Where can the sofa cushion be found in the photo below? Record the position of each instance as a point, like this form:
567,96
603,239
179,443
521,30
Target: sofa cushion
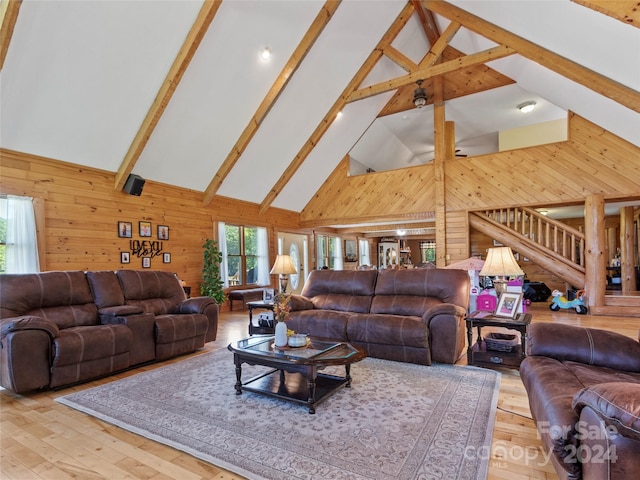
347,282
171,328
61,297
388,330
449,286
156,292
403,304
105,288
82,344
327,324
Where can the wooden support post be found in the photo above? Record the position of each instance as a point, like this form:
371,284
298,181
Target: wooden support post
440,143
595,250
627,270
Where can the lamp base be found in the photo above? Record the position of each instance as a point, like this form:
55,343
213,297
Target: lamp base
284,281
500,284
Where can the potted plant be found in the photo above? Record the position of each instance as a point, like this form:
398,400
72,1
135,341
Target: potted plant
212,285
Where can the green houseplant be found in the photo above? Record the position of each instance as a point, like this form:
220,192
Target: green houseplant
212,285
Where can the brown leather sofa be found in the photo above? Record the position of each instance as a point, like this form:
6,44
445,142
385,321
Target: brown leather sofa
584,392
414,315
61,328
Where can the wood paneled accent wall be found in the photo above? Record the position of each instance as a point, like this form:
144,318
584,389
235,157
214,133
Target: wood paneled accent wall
81,212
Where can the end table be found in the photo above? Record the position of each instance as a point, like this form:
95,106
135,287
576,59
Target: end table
477,354
257,330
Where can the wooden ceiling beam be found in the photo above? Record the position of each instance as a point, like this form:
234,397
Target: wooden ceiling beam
171,82
399,58
600,84
398,24
8,17
427,21
432,71
318,25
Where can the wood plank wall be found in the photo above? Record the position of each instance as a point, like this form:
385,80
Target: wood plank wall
81,211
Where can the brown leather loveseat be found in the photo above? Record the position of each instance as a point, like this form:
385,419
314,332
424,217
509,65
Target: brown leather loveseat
414,315
63,327
584,392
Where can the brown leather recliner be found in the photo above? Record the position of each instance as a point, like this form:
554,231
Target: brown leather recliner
583,386
412,315
181,324
51,334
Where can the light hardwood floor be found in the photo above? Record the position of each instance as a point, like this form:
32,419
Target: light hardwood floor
41,439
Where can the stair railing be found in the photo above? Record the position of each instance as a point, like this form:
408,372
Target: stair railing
546,232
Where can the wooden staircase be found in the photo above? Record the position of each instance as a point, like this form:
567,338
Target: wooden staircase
555,246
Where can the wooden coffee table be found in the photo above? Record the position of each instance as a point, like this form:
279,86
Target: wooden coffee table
295,372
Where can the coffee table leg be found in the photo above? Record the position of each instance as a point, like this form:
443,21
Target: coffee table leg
238,378
311,384
347,369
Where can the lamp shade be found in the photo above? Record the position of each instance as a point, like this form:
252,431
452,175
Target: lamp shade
283,265
500,262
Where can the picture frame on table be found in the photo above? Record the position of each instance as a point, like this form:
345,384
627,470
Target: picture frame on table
125,257
268,294
124,229
508,304
145,229
146,262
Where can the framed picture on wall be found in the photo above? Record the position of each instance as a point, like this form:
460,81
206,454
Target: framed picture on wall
124,229
166,258
163,232
145,229
124,257
146,262
350,254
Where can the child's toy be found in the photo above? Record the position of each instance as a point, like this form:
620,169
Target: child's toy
560,301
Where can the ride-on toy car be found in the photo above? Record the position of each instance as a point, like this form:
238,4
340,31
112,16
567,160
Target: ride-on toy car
560,301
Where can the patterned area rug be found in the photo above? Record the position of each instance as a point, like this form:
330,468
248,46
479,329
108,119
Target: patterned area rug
398,421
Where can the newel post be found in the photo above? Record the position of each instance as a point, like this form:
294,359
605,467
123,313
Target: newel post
595,250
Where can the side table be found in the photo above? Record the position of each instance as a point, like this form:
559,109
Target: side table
477,354
261,304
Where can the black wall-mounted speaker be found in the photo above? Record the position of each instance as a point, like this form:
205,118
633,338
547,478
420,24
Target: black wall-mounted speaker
133,185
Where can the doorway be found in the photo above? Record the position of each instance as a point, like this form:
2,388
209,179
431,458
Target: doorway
297,247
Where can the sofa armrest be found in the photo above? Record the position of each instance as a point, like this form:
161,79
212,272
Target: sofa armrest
298,302
584,345
194,305
446,332
616,404
206,306
28,322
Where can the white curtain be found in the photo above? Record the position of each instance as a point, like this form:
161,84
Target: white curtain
363,246
337,249
222,246
263,257
22,245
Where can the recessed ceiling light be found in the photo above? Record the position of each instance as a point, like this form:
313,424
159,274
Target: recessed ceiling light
339,114
527,107
265,54
401,232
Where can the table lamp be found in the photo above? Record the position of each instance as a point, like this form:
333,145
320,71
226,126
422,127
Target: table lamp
283,266
500,263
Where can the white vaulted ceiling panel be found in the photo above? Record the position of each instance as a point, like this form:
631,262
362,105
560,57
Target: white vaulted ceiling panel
79,77
222,89
330,150
346,42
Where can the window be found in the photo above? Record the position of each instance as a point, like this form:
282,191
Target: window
329,253
244,255
427,252
18,242
363,246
